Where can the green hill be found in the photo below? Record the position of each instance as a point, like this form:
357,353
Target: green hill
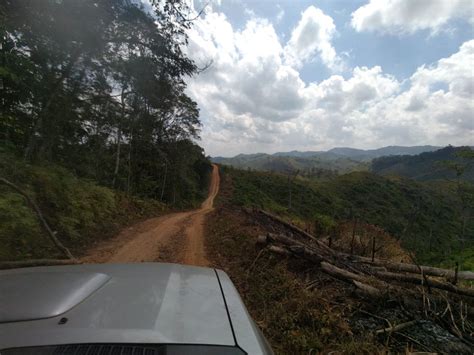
317,163
441,164
426,217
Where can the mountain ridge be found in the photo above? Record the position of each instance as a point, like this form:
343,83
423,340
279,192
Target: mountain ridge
318,163
342,152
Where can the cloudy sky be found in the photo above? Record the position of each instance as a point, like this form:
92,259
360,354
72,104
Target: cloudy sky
313,75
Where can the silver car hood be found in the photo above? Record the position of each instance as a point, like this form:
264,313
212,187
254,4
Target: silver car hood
131,303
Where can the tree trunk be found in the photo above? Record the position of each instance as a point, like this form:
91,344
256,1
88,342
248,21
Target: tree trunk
119,138
164,181
353,235
415,279
129,172
31,146
341,273
412,268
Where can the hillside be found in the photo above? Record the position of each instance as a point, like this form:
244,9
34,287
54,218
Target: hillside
317,163
441,164
426,218
299,307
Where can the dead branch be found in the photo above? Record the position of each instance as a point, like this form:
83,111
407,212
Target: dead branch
44,224
396,328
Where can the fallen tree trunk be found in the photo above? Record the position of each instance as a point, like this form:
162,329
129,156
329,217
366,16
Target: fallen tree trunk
367,290
297,230
412,268
396,267
415,279
278,250
296,247
38,262
341,273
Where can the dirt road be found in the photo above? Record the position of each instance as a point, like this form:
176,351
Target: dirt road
176,237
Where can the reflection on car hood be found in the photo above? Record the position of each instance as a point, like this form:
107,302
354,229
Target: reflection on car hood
133,303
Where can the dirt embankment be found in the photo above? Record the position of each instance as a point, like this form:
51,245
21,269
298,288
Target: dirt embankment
176,237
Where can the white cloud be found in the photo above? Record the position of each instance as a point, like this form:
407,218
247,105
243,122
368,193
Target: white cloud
409,16
252,100
313,35
280,14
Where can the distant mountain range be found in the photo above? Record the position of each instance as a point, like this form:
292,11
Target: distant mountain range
341,160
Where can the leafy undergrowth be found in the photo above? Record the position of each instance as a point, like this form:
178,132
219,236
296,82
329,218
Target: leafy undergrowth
78,210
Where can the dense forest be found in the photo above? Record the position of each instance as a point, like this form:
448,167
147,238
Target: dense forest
94,111
98,87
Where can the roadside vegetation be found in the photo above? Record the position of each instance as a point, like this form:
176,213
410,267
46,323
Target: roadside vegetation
79,210
95,124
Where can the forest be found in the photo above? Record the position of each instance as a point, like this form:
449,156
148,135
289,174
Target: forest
94,113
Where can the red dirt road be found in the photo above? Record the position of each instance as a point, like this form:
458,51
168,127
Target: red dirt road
176,237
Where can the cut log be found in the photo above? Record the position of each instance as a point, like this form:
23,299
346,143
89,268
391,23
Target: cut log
278,250
262,239
297,248
368,290
418,280
296,230
412,268
342,274
37,262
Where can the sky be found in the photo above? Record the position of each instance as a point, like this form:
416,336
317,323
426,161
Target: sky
313,75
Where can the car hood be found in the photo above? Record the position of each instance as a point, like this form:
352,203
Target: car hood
116,303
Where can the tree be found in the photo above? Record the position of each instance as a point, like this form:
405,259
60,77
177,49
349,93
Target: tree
99,87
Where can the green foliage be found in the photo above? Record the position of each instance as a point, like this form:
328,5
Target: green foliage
78,210
424,216
18,226
98,87
447,163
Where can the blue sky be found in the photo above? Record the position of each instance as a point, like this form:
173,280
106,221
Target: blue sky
311,75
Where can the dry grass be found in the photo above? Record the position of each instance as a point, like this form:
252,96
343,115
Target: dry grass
295,318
